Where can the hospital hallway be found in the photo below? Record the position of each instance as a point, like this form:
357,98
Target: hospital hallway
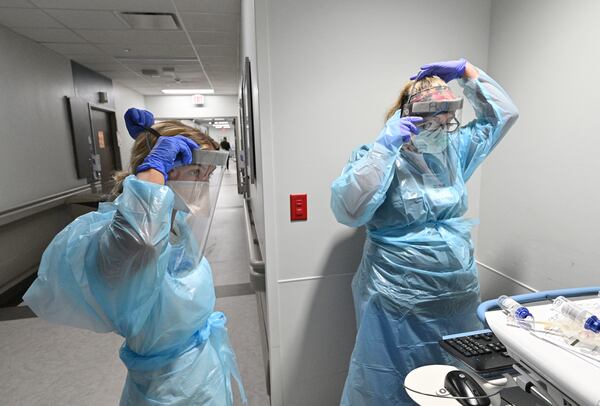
49,364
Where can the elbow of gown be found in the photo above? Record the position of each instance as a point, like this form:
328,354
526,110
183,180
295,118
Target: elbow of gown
361,188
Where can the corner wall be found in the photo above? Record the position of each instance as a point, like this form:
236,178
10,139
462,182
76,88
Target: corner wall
539,194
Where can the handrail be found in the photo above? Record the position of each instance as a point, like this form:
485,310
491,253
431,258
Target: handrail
536,297
255,263
39,205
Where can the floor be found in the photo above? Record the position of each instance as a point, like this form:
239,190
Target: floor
47,364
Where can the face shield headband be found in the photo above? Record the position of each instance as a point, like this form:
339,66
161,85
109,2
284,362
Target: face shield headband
438,106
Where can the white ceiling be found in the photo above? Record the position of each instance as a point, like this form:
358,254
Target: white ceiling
204,52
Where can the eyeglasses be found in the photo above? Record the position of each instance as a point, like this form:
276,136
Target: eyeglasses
434,123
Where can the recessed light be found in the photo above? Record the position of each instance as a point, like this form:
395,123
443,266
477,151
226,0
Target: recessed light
188,91
126,50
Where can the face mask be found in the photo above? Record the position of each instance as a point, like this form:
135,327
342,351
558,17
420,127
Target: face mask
191,197
431,142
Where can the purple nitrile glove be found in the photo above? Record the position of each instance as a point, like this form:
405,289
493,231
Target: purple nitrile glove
166,151
447,70
137,121
397,130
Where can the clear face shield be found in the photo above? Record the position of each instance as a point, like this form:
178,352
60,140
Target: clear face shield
196,188
441,112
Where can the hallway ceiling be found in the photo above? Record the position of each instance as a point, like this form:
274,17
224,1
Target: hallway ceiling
198,47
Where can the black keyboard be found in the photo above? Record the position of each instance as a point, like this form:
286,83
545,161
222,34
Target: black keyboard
480,350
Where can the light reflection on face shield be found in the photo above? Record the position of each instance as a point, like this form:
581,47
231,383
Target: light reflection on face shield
196,190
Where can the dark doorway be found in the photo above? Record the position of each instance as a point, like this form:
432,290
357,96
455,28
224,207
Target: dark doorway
103,130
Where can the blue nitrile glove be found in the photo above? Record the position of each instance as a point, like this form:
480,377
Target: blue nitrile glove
447,70
397,130
137,121
166,151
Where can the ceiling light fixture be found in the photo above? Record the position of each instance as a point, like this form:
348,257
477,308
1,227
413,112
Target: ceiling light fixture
188,91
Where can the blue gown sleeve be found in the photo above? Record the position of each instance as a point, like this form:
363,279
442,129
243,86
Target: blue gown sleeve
133,254
361,188
495,114
103,271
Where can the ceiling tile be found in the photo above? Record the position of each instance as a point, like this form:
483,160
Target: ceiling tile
215,50
49,34
148,50
222,69
142,62
138,82
16,3
210,22
27,18
217,77
121,5
134,37
185,68
83,59
74,49
209,6
106,67
191,75
214,38
119,75
88,20
219,60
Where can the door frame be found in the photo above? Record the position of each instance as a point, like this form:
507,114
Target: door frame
113,133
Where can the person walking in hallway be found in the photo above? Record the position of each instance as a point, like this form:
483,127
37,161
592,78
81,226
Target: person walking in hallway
227,147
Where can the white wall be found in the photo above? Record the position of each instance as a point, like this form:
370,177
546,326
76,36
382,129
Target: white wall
36,156
125,98
263,153
540,190
182,107
327,72
36,152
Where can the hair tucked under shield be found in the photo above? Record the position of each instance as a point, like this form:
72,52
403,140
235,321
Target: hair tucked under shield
145,141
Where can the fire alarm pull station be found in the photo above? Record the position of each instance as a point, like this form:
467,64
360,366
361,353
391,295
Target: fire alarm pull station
298,208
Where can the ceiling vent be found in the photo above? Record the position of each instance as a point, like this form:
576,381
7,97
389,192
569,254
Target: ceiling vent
150,21
150,72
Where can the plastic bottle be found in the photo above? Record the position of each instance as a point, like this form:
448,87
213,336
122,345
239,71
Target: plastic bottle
576,314
513,308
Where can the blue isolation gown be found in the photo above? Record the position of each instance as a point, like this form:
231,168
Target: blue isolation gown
417,280
121,269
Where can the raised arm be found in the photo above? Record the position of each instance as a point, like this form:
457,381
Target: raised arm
361,188
495,114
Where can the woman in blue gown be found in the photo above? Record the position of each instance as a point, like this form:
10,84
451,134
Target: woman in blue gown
121,269
417,280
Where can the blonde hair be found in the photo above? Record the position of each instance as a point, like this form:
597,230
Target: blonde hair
146,140
408,90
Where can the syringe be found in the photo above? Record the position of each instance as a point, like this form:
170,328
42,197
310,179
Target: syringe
513,308
576,314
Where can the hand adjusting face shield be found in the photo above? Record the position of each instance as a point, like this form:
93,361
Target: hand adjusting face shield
196,187
441,112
